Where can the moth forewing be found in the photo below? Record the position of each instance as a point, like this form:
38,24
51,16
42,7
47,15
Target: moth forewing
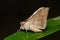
36,21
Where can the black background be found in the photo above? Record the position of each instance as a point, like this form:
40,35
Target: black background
12,11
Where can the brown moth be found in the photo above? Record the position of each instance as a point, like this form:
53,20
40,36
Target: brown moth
37,21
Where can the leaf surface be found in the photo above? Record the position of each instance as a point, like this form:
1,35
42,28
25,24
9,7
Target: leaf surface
53,25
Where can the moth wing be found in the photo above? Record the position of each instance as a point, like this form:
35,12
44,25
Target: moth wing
39,17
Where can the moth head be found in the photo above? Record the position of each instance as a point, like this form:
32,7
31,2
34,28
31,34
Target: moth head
22,25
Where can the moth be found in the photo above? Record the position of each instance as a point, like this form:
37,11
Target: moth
37,21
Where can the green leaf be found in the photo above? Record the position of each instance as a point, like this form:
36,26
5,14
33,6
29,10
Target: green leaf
53,25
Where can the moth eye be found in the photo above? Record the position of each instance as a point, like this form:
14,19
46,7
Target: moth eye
22,23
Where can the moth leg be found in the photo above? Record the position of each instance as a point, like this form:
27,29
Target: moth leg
19,29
